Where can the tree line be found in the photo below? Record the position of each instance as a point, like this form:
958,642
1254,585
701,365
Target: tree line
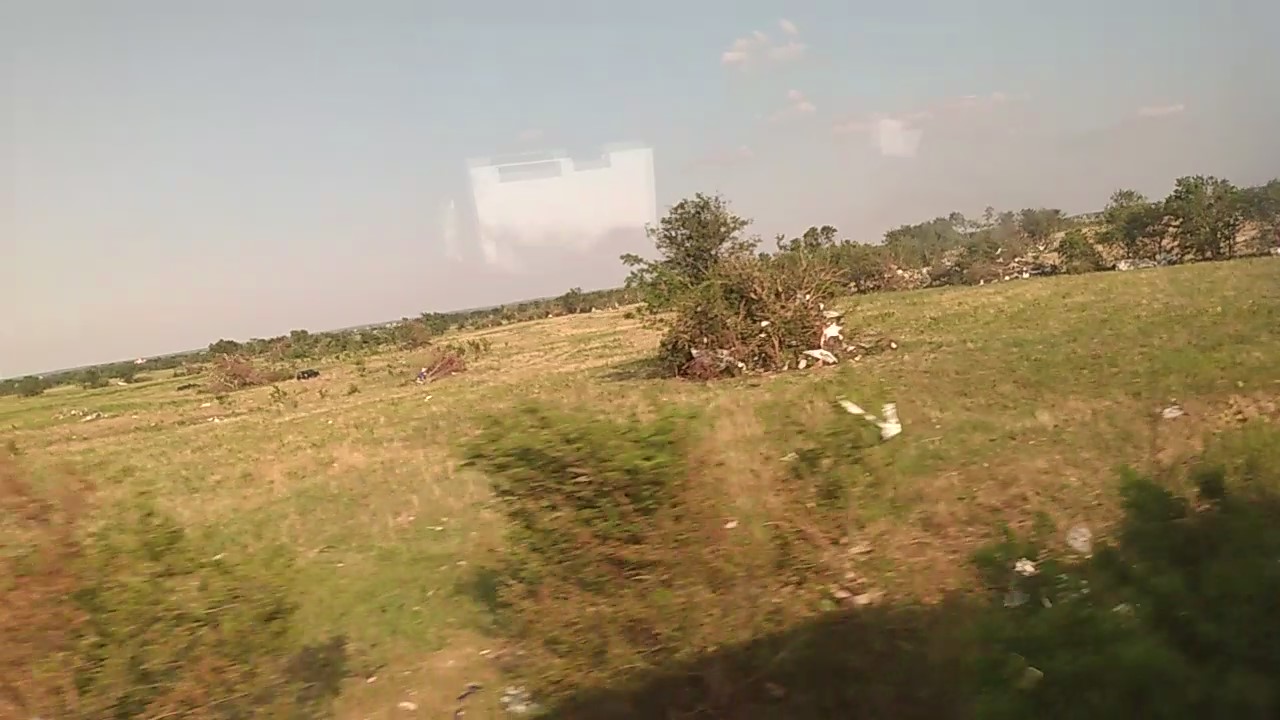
1203,218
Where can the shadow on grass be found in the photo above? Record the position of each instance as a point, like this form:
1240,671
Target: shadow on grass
645,368
1178,616
890,662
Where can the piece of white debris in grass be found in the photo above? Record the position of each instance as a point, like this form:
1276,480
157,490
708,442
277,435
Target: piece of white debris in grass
1173,411
1080,540
1015,598
765,323
890,426
831,331
822,356
832,314
1025,567
731,525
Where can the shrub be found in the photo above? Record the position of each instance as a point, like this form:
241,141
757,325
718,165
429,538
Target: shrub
732,309
620,556
1176,619
754,314
128,618
691,240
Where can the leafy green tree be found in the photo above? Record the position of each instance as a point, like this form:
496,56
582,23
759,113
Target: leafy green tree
923,244
225,347
91,378
1261,205
1133,223
573,301
1039,224
1205,214
814,239
692,239
1078,253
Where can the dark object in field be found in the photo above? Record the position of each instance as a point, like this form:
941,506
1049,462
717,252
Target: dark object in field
308,374
188,386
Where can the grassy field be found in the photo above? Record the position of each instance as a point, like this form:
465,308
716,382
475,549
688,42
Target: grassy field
1017,399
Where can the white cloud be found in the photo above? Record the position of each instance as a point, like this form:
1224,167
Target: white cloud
1152,111
758,46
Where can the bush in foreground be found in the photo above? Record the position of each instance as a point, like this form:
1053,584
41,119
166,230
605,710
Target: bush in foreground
638,542
127,618
1175,619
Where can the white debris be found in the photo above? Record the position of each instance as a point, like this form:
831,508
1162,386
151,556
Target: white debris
831,331
1173,411
822,356
765,323
832,314
890,426
1025,567
1080,539
407,706
731,525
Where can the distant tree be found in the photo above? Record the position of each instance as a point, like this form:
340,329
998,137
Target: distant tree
91,378
1261,205
862,267
1078,253
1039,224
691,239
225,347
1205,215
573,301
813,239
435,323
1132,222
31,386
923,244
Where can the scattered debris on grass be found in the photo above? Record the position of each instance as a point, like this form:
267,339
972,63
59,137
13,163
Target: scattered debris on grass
1173,411
517,701
890,426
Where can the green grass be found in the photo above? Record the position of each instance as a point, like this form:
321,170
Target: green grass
1018,399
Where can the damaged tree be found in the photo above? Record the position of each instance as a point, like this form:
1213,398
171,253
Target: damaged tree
725,309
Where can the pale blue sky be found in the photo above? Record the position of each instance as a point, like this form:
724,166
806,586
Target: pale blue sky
176,171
